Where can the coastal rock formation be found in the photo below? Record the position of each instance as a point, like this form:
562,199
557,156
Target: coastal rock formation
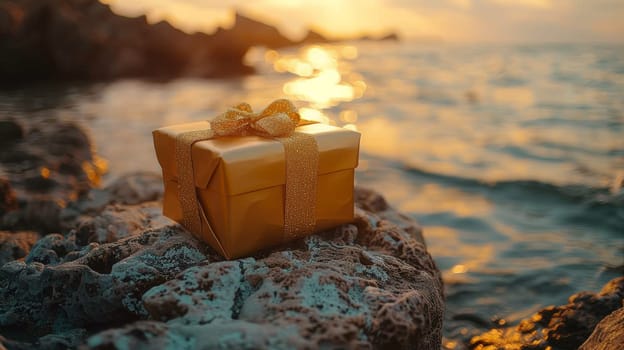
370,283
85,40
16,245
48,166
609,333
560,327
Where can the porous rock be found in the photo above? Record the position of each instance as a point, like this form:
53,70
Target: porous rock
370,284
94,210
366,285
608,334
102,286
557,327
119,221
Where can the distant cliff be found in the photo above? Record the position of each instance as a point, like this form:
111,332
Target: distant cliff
85,40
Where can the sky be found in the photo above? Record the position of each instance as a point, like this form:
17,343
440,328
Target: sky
518,21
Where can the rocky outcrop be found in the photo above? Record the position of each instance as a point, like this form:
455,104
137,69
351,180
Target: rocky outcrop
46,166
85,40
314,37
609,333
16,245
386,37
126,276
560,327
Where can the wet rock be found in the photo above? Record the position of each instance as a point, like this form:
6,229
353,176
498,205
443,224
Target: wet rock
8,202
608,334
50,166
10,131
15,245
558,327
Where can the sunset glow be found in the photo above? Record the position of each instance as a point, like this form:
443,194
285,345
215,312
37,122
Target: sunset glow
447,20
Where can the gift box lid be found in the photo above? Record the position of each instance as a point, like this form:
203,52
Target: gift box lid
251,163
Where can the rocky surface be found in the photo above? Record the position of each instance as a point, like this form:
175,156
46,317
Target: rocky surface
562,327
16,245
367,284
608,334
47,165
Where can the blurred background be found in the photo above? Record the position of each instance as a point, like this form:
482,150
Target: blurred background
498,125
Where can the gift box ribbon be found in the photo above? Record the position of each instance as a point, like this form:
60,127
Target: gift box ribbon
278,121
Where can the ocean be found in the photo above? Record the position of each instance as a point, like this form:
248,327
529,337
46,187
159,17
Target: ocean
511,157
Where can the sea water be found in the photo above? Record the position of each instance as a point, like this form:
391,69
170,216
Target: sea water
511,157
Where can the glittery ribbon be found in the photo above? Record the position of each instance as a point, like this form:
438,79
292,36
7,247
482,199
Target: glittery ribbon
277,121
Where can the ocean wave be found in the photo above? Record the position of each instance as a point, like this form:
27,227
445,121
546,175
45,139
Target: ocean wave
569,192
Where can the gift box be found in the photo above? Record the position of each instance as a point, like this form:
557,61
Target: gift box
248,190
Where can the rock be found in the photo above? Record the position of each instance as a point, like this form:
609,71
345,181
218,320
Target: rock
51,249
15,245
117,221
103,286
49,167
385,37
10,131
558,327
136,188
608,334
249,32
132,188
70,339
367,284
390,36
314,37
8,202
85,40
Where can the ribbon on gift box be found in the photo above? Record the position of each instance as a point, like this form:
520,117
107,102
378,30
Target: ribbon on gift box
278,121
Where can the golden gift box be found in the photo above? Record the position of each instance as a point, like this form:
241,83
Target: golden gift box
245,191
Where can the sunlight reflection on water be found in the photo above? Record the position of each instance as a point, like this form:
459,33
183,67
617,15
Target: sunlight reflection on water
323,72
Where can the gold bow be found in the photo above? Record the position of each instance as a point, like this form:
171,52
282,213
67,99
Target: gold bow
277,121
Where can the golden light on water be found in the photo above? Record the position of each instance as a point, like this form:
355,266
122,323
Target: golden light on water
459,268
323,75
315,115
45,172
